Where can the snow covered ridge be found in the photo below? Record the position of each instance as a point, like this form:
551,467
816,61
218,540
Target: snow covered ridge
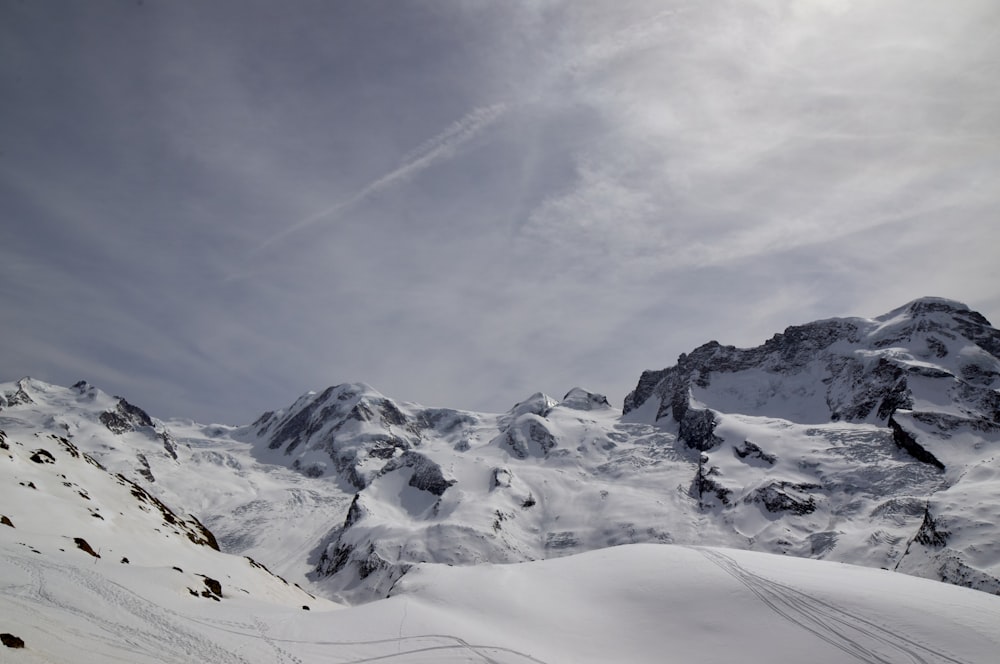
846,439
867,441
64,507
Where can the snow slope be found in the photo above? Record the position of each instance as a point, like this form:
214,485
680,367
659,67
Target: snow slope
638,603
559,531
268,512
854,440
868,441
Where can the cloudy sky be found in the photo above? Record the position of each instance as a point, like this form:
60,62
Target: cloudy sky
210,207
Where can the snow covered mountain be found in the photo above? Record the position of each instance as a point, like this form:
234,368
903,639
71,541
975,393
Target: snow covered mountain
864,441
802,425
870,441
72,529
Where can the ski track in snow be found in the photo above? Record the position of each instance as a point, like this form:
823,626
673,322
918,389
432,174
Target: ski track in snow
863,639
158,630
458,643
153,632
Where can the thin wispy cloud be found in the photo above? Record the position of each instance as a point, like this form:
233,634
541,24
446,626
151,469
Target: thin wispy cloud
434,150
498,198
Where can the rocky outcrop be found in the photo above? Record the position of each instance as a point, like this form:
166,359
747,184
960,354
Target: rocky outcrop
528,436
779,497
706,485
427,475
851,370
580,399
125,417
931,534
11,641
751,451
356,428
18,397
905,440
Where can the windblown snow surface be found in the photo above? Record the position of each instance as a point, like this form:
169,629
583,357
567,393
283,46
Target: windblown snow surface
713,521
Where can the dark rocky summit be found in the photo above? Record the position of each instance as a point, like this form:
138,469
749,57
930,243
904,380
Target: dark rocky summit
125,417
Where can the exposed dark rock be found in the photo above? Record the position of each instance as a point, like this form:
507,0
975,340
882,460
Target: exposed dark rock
753,451
334,558
6,521
385,447
191,527
906,441
169,446
785,497
930,533
580,399
499,518
427,475
11,641
528,502
125,417
124,561
526,430
953,570
977,375
19,397
354,513
937,347
84,546
705,485
70,448
201,534
42,456
143,467
297,428
443,420
213,587
537,404
115,422
697,429
855,390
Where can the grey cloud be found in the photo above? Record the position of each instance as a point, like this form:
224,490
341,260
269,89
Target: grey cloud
462,203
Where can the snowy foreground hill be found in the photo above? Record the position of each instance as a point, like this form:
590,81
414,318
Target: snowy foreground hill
560,531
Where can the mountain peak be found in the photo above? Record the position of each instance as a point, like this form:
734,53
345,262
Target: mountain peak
580,399
924,306
851,369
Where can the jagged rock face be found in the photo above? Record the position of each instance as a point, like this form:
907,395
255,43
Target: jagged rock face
427,475
580,399
927,375
852,370
16,397
868,441
125,417
354,427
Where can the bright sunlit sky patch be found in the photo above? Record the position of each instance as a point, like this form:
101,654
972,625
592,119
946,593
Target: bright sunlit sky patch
212,207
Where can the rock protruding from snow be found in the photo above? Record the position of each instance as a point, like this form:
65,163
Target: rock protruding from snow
931,355
580,399
125,417
427,475
352,426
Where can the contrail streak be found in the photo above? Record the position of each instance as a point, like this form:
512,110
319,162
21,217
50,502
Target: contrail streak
442,146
